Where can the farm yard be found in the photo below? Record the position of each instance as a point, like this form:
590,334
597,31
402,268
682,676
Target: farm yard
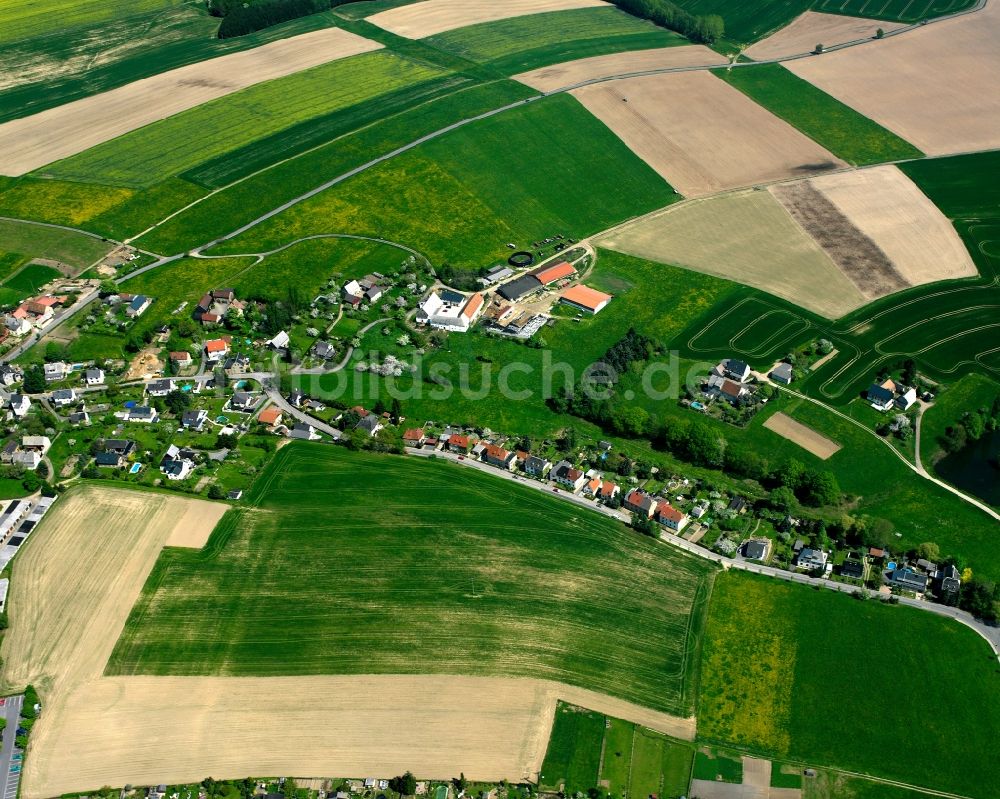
430,17
766,643
569,73
168,148
722,141
32,142
931,87
523,600
536,40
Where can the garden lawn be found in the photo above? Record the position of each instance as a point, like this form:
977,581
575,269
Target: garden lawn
312,577
166,148
447,198
837,127
536,40
799,673
39,241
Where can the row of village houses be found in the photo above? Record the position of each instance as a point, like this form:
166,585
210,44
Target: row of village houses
589,484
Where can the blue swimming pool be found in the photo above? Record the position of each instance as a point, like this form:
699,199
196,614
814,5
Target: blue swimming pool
891,565
136,467
697,406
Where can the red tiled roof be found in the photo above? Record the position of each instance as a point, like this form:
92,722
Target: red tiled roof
667,511
573,474
585,296
269,415
360,411
608,489
180,356
209,317
458,441
549,274
472,306
46,302
730,388
413,435
495,452
216,345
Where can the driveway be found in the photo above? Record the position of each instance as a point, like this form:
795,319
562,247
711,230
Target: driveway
10,758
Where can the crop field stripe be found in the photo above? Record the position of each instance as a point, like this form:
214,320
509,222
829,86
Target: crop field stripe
336,609
168,147
826,120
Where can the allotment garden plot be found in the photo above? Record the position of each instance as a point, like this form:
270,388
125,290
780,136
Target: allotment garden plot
42,138
702,135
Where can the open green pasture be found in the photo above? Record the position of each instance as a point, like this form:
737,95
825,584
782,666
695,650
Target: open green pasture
10,262
962,186
346,563
59,202
447,198
751,20
826,679
166,148
237,205
52,68
39,241
839,128
587,749
19,20
32,277
365,8
536,40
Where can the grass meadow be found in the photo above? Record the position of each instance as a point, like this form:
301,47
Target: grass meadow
536,40
971,393
19,20
245,201
60,202
749,21
447,198
31,278
962,186
837,127
38,241
828,680
588,749
346,563
167,148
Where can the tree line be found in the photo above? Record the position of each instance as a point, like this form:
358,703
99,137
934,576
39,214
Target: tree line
704,28
240,17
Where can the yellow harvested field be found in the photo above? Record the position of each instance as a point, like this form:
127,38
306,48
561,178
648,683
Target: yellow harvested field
417,20
935,86
887,206
73,587
807,438
177,729
803,33
40,139
571,73
762,247
702,135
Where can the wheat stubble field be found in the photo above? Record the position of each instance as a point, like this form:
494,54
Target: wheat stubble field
318,606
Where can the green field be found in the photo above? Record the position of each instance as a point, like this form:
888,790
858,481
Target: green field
573,756
19,20
297,582
962,186
53,68
839,128
60,202
245,201
828,680
587,749
31,278
10,262
164,149
39,241
536,40
752,20
447,198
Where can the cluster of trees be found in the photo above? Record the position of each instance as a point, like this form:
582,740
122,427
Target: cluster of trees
705,28
240,18
460,279
981,598
633,348
971,427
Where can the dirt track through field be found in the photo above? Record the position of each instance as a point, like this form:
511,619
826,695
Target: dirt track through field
417,20
807,438
858,257
569,73
72,590
807,30
702,135
32,142
935,86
